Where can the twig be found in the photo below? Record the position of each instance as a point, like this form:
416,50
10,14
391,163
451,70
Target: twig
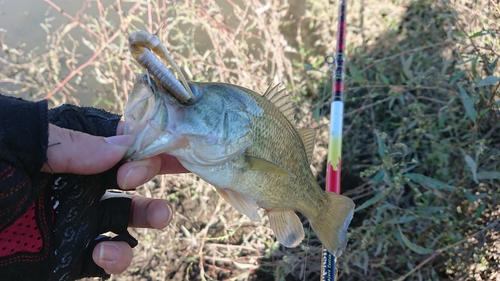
357,110
94,56
82,25
150,17
438,252
211,221
241,247
443,43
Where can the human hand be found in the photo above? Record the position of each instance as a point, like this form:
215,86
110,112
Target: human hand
79,153
133,174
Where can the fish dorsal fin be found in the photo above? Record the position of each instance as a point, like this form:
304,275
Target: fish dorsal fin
243,204
287,227
282,101
308,137
259,164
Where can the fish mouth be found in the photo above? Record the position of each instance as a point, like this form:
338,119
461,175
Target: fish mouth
146,116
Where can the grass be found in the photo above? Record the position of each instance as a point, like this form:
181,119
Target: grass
420,155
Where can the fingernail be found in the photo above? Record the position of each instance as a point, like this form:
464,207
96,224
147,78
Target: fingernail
108,252
167,214
123,140
135,177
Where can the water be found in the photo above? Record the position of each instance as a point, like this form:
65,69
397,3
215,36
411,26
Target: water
22,18
22,21
22,28
22,24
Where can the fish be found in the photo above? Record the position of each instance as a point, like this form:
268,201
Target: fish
248,147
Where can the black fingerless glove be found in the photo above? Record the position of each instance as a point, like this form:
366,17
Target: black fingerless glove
54,225
80,216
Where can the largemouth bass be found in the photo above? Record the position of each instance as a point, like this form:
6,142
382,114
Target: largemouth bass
247,146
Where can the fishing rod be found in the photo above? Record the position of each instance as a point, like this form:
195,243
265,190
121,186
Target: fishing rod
336,65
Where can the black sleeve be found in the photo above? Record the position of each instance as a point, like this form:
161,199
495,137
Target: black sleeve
23,149
23,133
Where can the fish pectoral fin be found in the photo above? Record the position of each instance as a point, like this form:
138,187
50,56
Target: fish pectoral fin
259,164
287,227
239,202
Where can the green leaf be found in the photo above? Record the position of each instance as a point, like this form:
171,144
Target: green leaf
468,104
445,67
480,33
327,91
384,79
407,67
473,198
490,80
457,76
472,165
488,175
431,210
309,67
414,247
406,219
354,73
444,16
480,210
381,145
316,114
371,201
428,182
494,65
458,34
391,103
400,220
474,66
379,176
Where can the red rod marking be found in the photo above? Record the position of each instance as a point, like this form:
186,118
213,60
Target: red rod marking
333,178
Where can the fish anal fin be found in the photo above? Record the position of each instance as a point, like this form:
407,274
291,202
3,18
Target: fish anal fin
259,164
241,203
287,227
308,137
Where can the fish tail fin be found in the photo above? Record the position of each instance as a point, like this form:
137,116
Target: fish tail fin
332,223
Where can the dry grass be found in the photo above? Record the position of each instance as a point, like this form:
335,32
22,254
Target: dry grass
413,114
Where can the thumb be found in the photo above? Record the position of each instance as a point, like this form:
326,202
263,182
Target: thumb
80,153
